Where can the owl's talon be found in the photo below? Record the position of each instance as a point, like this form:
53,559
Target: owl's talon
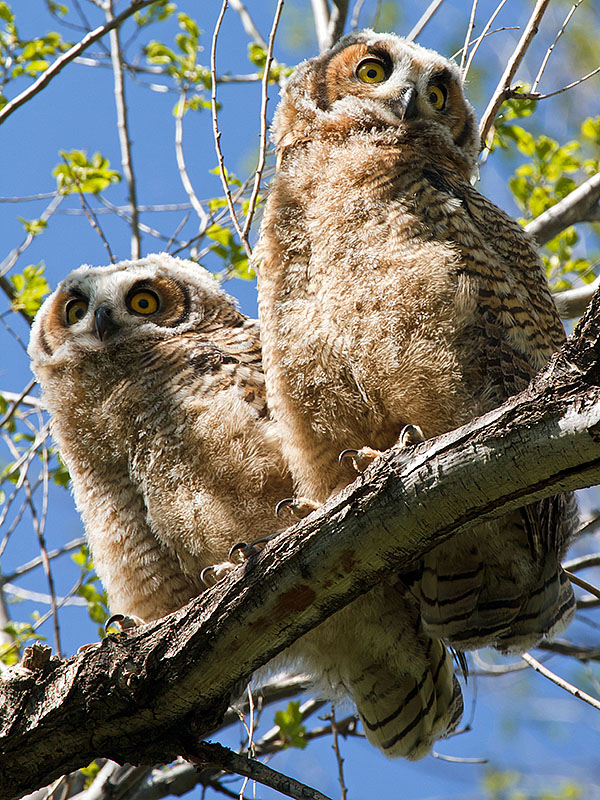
287,503
411,435
125,622
351,452
297,507
360,458
239,552
208,576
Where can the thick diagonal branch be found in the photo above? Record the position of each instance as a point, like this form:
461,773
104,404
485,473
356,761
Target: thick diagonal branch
151,695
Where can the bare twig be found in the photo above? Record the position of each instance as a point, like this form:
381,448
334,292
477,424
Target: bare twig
14,255
321,14
338,755
123,129
74,544
584,562
471,25
248,23
356,14
501,92
337,21
479,40
68,56
185,178
263,129
217,132
516,92
583,584
11,411
568,687
227,760
425,18
538,77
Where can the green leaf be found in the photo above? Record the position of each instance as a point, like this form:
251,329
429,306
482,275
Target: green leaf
291,730
5,12
156,12
30,289
77,174
33,226
590,128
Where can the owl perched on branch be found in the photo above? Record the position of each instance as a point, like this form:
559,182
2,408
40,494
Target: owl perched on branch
154,384
393,294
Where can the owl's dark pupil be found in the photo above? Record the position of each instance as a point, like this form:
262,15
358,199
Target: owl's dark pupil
79,312
372,73
143,303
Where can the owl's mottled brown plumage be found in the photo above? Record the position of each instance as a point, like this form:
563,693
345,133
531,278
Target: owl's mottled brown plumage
161,419
160,415
391,293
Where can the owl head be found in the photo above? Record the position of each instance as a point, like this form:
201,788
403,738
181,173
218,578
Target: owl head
102,310
377,81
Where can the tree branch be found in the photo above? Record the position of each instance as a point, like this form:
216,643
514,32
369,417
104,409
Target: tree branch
501,91
66,58
580,205
123,129
150,695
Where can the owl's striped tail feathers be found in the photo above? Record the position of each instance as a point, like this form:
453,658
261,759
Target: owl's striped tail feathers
474,600
404,713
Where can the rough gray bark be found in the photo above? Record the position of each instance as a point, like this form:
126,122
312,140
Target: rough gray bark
150,695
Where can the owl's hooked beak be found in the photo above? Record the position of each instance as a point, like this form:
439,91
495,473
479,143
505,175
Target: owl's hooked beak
104,322
405,106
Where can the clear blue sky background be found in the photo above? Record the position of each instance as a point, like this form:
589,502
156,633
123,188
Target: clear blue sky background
520,721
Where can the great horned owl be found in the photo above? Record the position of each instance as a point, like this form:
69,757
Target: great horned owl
154,384
153,381
392,293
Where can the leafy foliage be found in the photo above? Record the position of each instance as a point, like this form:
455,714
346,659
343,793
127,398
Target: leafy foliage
291,730
91,590
78,174
30,289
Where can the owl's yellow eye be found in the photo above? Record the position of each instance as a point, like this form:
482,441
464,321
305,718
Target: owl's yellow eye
371,71
437,96
76,310
143,302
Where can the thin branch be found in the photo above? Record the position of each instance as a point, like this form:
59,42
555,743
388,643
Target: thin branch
217,132
516,92
584,562
479,40
425,18
68,56
123,129
568,687
13,257
356,14
183,174
470,27
337,21
338,756
263,129
583,584
321,14
501,91
227,760
11,411
248,23
538,77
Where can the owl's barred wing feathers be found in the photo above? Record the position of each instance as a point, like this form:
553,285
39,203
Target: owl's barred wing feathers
514,329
